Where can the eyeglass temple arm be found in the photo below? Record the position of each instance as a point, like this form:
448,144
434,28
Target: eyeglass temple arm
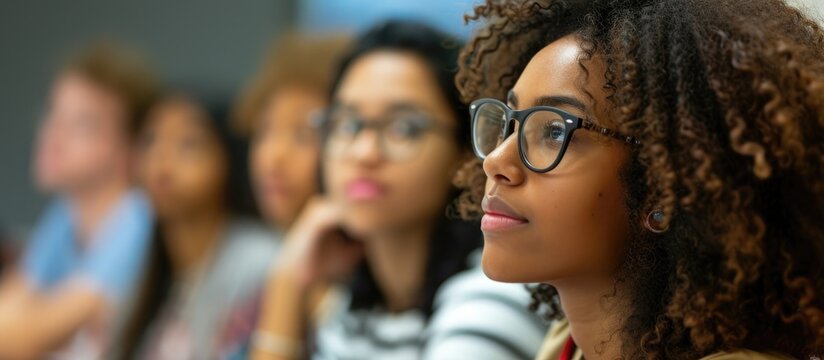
609,132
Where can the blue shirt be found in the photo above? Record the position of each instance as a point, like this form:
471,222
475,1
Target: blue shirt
112,262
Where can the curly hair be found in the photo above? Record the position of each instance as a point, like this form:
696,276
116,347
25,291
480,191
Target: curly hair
728,97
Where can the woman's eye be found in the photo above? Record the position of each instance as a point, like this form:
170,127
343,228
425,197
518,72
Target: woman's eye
554,133
351,127
347,125
406,129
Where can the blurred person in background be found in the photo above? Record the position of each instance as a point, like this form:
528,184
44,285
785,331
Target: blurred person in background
5,240
280,112
396,134
9,248
87,249
3,250
207,254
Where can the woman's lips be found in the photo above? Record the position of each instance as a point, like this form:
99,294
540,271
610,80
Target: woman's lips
364,189
499,216
274,188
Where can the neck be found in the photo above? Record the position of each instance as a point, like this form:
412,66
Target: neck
594,315
91,206
190,240
398,261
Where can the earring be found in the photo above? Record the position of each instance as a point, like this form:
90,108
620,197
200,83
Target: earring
655,221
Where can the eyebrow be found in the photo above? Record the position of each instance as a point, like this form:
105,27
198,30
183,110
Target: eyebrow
549,100
559,100
406,106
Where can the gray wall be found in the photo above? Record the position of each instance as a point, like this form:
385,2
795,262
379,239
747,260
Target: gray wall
219,42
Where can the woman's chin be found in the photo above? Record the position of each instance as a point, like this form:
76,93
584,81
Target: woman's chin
510,269
361,225
500,269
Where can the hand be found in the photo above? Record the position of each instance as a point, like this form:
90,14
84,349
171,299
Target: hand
316,248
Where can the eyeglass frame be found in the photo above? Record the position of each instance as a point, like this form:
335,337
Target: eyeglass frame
326,124
571,123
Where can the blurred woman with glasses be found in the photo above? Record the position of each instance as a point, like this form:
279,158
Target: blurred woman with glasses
395,135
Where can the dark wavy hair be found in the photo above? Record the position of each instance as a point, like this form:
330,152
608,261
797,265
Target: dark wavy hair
157,278
439,50
452,240
728,97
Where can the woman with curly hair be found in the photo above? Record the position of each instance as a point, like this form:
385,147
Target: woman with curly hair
657,165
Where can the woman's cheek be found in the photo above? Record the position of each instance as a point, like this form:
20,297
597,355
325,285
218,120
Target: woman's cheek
305,172
334,178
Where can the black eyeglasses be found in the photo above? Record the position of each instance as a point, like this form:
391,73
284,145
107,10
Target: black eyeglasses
543,136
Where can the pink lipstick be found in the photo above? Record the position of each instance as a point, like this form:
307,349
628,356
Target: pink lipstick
499,216
364,189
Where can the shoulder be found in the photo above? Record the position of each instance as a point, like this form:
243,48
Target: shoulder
126,231
248,249
242,262
559,332
55,219
50,247
131,219
554,341
52,237
135,207
248,237
744,355
57,208
368,333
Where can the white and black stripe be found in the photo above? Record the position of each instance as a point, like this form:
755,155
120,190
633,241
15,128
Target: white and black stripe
477,318
473,318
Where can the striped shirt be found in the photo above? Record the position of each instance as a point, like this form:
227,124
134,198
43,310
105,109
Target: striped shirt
473,318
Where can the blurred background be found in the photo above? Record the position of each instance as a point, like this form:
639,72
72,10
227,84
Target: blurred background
205,48
220,43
